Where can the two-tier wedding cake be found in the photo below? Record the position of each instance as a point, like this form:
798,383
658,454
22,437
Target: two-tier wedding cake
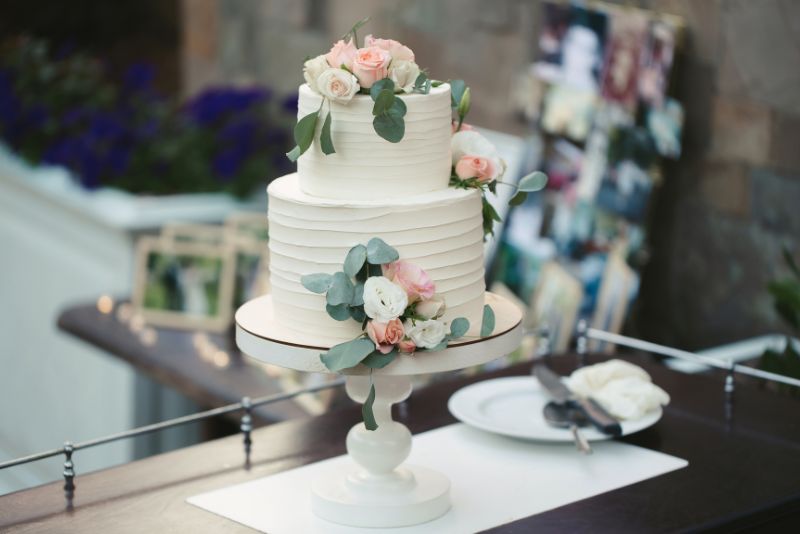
376,242
373,188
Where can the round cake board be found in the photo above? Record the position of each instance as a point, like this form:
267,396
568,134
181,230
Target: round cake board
260,336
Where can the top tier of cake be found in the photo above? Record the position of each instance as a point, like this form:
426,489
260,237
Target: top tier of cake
366,166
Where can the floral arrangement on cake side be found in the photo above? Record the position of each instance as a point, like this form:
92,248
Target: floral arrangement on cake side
398,308
385,69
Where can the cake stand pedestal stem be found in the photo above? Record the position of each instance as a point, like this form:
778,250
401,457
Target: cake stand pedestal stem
375,489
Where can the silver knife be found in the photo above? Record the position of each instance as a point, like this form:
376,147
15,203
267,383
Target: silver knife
596,414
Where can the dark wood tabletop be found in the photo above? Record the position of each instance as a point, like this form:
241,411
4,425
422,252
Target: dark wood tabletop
743,473
174,361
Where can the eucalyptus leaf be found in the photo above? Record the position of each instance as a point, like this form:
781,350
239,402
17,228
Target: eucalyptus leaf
357,313
348,354
366,410
458,327
375,270
384,102
378,252
341,290
304,135
325,141
317,282
487,324
422,84
390,127
532,182
398,107
518,199
379,86
379,360
355,260
340,312
440,346
358,294
457,88
294,153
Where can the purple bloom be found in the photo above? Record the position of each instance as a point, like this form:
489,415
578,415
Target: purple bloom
227,163
138,77
289,104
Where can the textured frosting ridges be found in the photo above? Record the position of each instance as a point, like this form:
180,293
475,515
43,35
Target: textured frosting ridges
366,166
440,231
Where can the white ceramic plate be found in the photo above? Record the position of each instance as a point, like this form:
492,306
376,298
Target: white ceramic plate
513,406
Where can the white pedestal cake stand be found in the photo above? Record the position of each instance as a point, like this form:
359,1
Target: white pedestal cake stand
377,491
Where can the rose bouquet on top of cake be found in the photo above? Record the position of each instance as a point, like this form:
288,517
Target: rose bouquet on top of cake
385,69
398,308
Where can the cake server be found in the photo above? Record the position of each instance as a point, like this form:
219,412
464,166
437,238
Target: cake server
566,416
560,393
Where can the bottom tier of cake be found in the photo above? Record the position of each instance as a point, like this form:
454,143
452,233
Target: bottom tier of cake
440,231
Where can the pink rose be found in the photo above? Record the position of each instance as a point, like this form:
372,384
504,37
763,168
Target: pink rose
478,167
397,50
342,54
370,65
416,282
407,346
385,335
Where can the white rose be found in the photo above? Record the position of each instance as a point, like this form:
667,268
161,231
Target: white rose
338,85
431,309
426,334
471,143
383,299
404,73
313,68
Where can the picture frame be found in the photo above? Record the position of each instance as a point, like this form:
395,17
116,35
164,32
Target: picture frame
616,288
247,224
556,301
251,269
183,285
208,234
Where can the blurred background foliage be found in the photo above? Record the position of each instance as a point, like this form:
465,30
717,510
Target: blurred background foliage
65,107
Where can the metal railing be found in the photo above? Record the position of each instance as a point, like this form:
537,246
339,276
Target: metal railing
246,405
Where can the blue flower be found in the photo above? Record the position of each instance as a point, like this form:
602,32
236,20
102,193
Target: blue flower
138,77
289,104
227,163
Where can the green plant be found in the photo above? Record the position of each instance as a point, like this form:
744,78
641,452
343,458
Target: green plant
786,296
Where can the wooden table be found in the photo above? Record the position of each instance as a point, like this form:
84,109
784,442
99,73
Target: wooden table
174,361
742,475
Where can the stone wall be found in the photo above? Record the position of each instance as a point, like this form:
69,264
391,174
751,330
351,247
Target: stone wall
725,208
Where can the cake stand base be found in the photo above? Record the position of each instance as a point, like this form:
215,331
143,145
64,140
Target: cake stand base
413,495
377,489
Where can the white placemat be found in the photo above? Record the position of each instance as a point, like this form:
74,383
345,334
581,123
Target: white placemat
495,480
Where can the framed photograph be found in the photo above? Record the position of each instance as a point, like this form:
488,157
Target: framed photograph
665,125
656,63
568,111
253,225
556,302
183,285
617,288
572,46
251,271
623,58
207,234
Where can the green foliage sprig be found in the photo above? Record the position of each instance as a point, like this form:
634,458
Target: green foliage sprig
344,300
786,297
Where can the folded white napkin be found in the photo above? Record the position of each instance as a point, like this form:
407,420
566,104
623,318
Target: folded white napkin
624,389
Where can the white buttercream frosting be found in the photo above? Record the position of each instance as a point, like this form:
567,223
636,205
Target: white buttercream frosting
366,166
440,231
